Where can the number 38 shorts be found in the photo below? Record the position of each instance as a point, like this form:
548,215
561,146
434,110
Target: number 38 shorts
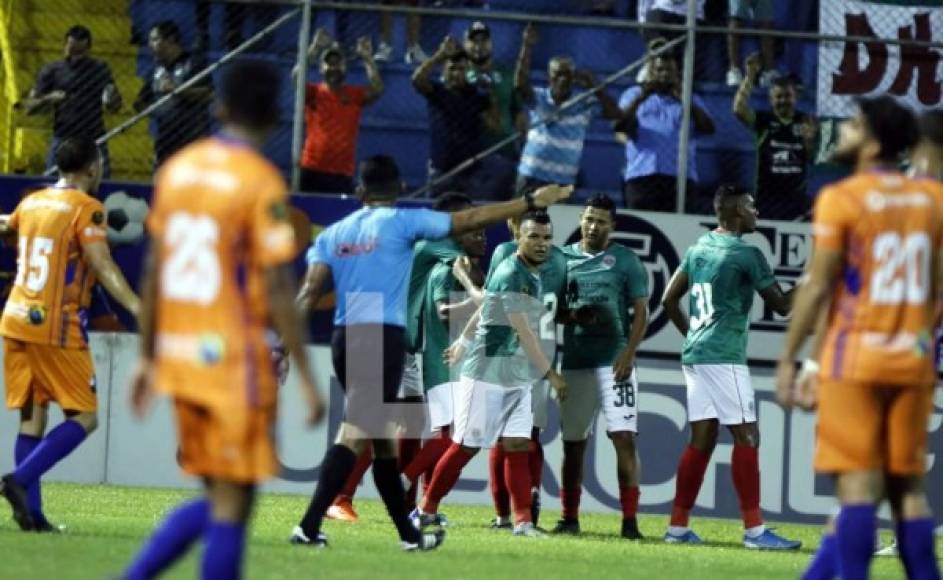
485,411
588,390
720,391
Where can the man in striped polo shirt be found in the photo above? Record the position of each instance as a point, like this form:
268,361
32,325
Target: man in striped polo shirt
555,139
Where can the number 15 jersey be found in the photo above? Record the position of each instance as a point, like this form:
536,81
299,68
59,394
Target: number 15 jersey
219,219
880,325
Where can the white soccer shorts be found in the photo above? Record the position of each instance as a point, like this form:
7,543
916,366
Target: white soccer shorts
439,400
720,391
485,411
588,390
411,383
541,400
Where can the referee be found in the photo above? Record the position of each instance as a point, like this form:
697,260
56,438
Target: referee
367,256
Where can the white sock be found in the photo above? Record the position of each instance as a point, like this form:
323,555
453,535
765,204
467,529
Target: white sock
678,530
502,520
755,531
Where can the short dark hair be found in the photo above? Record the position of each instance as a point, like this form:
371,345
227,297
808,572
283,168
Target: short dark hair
458,55
891,123
538,216
79,32
380,174
931,126
604,202
451,201
168,29
249,91
784,82
75,153
726,193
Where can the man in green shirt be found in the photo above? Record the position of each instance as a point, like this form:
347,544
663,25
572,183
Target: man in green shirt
606,280
514,344
722,272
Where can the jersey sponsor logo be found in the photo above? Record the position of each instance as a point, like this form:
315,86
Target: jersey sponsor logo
204,350
347,250
36,314
48,204
656,253
98,218
877,201
608,261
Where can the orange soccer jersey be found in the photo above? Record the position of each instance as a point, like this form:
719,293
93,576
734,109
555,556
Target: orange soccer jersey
219,218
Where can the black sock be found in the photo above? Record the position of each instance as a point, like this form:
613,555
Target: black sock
338,463
386,478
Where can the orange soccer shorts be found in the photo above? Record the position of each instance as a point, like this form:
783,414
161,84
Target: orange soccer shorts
234,443
865,427
40,373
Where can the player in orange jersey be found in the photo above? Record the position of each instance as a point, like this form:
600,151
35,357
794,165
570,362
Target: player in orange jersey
62,252
877,263
219,273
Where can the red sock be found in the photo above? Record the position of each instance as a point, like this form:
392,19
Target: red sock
570,503
427,457
499,491
745,466
517,478
361,467
535,459
628,497
407,451
447,472
691,470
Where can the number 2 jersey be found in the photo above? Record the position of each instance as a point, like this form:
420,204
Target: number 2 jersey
219,219
723,274
880,325
50,297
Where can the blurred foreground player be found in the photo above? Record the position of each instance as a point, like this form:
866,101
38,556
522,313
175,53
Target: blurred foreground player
62,251
877,255
219,274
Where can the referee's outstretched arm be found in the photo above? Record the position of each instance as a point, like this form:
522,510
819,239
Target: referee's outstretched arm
477,217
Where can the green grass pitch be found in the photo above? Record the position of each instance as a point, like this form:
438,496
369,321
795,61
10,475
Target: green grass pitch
107,524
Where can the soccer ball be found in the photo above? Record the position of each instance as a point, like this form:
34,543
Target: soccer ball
125,218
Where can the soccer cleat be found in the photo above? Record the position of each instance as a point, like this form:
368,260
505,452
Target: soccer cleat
567,526
421,520
535,506
734,77
16,495
47,528
630,529
501,523
687,537
528,530
769,540
427,541
384,52
299,538
343,511
888,550
415,55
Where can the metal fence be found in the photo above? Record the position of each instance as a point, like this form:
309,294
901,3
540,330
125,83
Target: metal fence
634,98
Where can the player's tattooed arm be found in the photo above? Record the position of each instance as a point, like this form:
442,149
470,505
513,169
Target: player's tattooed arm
315,283
774,297
109,275
671,300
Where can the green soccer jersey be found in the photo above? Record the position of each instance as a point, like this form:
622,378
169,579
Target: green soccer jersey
499,255
723,273
496,355
426,254
608,282
438,333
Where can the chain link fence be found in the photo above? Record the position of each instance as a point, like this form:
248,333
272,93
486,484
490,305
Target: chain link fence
486,97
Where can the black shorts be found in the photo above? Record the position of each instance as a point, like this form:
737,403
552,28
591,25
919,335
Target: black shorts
368,363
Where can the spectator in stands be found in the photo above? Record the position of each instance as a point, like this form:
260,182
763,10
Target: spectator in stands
458,112
667,12
332,116
556,136
414,54
185,117
761,13
652,124
785,140
76,88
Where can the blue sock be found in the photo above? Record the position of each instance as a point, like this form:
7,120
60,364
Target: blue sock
824,565
222,556
60,442
855,531
25,444
172,539
916,546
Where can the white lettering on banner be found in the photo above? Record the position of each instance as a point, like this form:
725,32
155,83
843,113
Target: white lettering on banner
847,70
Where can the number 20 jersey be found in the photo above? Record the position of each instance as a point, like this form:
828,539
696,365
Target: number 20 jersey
880,325
219,219
50,297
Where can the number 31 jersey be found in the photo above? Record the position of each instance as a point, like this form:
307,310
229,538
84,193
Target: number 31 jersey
219,219
888,230
723,274
50,296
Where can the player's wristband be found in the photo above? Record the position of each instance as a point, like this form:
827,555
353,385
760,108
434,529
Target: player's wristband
529,198
810,366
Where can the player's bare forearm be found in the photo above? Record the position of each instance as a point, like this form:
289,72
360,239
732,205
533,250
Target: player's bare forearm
671,301
99,258
472,325
639,324
476,293
457,311
280,289
781,302
148,306
315,281
529,342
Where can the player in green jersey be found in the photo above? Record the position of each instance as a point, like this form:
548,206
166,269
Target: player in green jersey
514,344
607,280
722,272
